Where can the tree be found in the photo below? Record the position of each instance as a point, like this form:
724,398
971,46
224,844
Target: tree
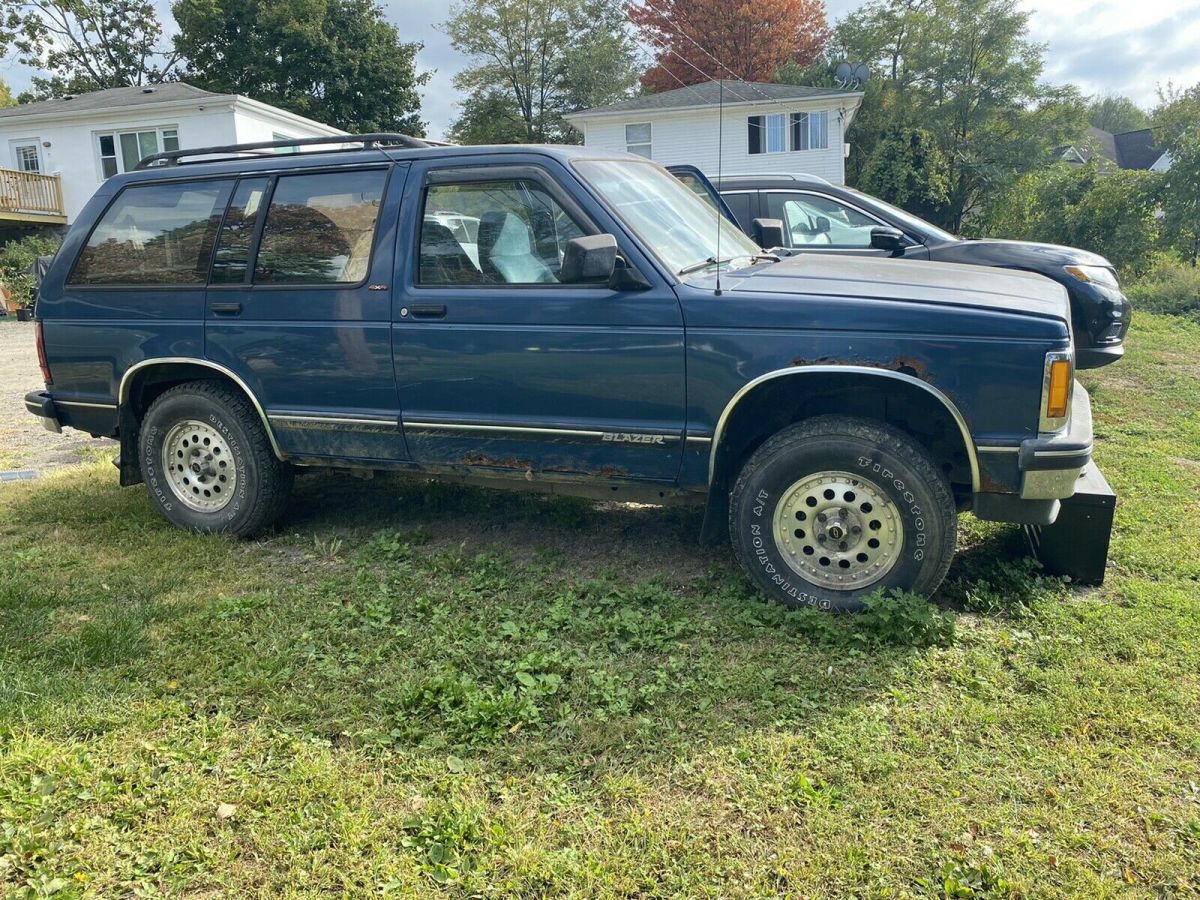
1177,112
337,61
488,117
535,60
698,40
6,94
1116,114
85,45
964,75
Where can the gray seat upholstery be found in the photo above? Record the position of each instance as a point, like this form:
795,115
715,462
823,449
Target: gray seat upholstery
506,251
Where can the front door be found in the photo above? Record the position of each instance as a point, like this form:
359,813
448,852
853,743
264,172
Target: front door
298,307
503,369
817,223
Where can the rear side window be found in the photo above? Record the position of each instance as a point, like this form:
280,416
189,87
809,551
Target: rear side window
320,228
237,234
154,234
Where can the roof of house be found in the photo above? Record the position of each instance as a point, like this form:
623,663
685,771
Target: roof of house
708,93
1127,150
1136,149
109,99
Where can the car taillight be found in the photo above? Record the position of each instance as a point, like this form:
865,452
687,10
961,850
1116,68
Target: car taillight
41,352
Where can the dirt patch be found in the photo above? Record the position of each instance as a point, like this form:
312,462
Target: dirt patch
24,443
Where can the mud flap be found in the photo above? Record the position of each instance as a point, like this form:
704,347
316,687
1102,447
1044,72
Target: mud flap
1076,545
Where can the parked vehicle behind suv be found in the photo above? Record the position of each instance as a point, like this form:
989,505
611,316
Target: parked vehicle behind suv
819,217
594,330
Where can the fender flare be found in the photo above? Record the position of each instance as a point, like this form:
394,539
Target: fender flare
959,420
126,381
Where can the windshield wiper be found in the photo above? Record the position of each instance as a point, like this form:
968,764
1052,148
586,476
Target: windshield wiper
696,267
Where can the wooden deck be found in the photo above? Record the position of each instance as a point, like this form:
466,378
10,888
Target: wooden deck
31,197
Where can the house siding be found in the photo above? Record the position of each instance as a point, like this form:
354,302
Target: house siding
691,136
73,152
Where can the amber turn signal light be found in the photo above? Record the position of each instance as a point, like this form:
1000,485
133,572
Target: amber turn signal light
1059,394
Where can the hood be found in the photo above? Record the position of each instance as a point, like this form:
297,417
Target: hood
1026,254
909,280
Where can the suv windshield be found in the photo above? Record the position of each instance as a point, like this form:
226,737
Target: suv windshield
671,219
927,231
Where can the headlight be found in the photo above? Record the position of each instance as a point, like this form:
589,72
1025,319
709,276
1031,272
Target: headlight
1057,381
1093,275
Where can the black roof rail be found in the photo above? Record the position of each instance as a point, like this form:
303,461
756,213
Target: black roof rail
368,141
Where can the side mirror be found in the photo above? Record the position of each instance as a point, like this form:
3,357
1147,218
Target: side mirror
889,239
591,258
768,233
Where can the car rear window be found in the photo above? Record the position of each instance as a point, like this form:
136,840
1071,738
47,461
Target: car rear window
154,234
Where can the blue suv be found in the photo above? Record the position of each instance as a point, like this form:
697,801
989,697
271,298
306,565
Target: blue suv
556,319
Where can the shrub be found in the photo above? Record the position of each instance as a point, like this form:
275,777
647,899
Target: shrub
1112,213
16,258
1169,286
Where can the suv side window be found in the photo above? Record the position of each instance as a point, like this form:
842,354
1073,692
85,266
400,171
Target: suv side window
232,256
810,219
320,228
154,234
509,231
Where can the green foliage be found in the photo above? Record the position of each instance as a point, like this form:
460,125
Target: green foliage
1111,213
898,619
337,61
16,258
85,45
1169,286
1116,114
958,91
1181,194
534,61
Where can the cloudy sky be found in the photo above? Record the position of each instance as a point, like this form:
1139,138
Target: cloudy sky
1121,46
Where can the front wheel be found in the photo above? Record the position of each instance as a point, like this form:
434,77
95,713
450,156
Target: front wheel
208,464
833,509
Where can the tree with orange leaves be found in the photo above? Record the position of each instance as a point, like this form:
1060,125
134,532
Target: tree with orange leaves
695,40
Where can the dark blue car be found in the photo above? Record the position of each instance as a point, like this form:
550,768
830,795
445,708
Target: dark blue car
561,320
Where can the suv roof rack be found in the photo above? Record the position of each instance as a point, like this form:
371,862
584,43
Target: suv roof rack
368,141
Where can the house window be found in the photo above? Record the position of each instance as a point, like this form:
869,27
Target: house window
27,157
121,151
280,136
768,134
637,139
810,130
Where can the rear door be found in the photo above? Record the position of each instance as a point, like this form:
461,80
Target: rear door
502,368
298,306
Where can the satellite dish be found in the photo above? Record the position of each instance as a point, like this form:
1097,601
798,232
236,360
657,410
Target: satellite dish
851,75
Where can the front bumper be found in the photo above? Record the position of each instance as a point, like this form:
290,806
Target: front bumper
1050,466
40,404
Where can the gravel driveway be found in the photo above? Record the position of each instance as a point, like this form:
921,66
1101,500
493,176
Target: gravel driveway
24,443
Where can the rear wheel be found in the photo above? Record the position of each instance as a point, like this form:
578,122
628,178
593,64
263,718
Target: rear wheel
830,510
208,464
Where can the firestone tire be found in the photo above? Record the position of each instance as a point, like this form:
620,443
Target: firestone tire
830,510
207,462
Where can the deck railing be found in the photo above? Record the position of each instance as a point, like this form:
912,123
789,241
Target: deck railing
30,193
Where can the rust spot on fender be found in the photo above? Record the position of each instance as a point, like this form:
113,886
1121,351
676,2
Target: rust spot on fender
905,365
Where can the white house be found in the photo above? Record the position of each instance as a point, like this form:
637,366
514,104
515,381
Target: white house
55,153
757,126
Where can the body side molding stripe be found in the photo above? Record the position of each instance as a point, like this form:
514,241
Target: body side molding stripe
719,433
123,392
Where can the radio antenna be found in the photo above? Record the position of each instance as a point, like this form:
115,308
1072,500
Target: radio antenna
720,145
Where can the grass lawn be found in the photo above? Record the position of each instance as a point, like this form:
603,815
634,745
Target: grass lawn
421,690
